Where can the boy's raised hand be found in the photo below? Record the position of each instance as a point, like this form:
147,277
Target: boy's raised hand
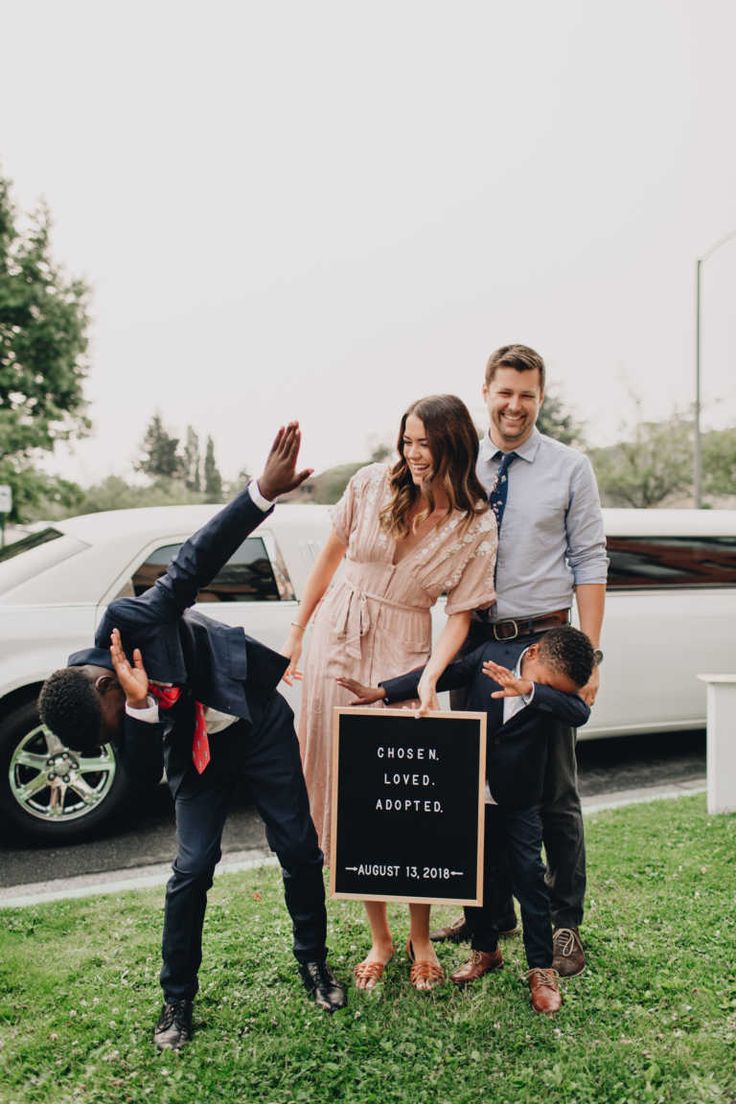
513,687
364,695
279,473
133,680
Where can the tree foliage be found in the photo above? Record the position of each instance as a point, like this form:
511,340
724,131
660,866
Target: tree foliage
212,477
159,456
555,421
43,347
192,461
653,465
719,462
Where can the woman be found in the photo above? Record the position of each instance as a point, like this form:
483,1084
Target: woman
411,532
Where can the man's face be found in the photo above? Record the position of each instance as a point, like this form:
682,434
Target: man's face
513,400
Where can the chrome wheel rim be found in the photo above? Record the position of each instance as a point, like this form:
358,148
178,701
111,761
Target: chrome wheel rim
54,784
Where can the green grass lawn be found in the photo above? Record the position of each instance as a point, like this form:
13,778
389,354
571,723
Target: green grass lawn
653,1018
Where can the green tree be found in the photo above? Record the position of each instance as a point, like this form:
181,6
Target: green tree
719,462
192,461
43,346
652,465
212,477
555,421
160,457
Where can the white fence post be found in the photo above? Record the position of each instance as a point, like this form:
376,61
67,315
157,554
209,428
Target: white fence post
721,745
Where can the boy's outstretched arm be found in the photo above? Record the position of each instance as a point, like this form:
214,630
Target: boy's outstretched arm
406,687
568,708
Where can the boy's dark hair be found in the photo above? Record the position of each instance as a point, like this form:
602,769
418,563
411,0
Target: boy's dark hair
69,706
568,651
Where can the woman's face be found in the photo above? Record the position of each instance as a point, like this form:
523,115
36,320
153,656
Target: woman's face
416,451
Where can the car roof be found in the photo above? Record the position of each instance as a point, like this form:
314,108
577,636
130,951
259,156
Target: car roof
150,521
669,523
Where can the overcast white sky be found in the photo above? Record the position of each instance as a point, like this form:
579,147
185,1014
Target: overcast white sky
326,210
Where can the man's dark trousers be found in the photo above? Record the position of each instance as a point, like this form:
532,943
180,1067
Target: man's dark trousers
513,862
562,815
266,756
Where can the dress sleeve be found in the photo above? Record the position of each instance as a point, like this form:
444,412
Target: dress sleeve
472,587
344,514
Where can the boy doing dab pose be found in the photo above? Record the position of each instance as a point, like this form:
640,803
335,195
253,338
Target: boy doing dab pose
545,681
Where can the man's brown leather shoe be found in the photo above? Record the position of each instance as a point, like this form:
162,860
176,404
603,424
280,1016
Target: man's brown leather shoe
545,991
568,954
479,963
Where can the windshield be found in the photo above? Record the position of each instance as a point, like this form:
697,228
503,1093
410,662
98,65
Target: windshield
26,558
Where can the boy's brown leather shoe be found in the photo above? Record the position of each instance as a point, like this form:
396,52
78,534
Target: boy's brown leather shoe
479,963
545,991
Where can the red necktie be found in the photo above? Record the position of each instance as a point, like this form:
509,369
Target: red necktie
168,696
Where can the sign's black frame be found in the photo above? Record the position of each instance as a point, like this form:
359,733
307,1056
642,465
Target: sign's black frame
479,796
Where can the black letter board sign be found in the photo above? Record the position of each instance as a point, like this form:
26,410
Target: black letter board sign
408,806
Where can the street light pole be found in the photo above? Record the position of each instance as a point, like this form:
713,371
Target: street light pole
698,444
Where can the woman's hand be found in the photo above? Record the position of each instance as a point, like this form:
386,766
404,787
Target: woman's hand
133,680
364,695
292,649
428,700
513,687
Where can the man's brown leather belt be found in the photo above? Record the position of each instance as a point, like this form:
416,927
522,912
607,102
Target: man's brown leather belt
511,628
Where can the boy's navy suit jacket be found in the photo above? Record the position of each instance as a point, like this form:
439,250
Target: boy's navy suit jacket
218,664
516,752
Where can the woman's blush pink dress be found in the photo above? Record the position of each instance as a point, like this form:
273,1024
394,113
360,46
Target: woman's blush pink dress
374,621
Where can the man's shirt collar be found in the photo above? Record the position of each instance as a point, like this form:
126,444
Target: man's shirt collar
527,451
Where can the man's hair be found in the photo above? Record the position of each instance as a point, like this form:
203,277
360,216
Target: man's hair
520,357
569,652
69,706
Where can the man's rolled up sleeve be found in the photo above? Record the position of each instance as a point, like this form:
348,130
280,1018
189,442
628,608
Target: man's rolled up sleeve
586,539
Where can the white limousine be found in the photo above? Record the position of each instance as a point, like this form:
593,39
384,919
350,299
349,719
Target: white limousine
670,615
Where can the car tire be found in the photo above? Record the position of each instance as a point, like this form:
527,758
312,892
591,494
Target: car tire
29,810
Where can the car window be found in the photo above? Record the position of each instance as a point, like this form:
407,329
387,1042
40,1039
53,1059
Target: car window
665,562
25,559
247,576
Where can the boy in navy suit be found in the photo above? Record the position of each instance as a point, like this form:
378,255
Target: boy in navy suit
545,681
206,704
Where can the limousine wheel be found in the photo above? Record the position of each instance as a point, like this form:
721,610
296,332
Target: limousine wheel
48,792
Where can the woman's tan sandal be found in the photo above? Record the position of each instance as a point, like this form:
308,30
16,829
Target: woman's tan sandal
425,975
368,974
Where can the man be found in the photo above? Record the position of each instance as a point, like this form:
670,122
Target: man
211,707
551,547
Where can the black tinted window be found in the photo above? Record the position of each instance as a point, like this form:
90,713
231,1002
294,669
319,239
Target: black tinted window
33,540
657,562
246,577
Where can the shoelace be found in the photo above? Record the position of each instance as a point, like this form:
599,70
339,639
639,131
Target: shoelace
564,942
547,978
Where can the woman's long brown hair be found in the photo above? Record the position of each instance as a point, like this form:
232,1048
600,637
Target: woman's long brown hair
453,442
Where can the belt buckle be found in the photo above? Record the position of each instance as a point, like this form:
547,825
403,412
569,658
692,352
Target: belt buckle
510,622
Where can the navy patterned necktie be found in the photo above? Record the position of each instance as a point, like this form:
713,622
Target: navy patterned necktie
500,491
